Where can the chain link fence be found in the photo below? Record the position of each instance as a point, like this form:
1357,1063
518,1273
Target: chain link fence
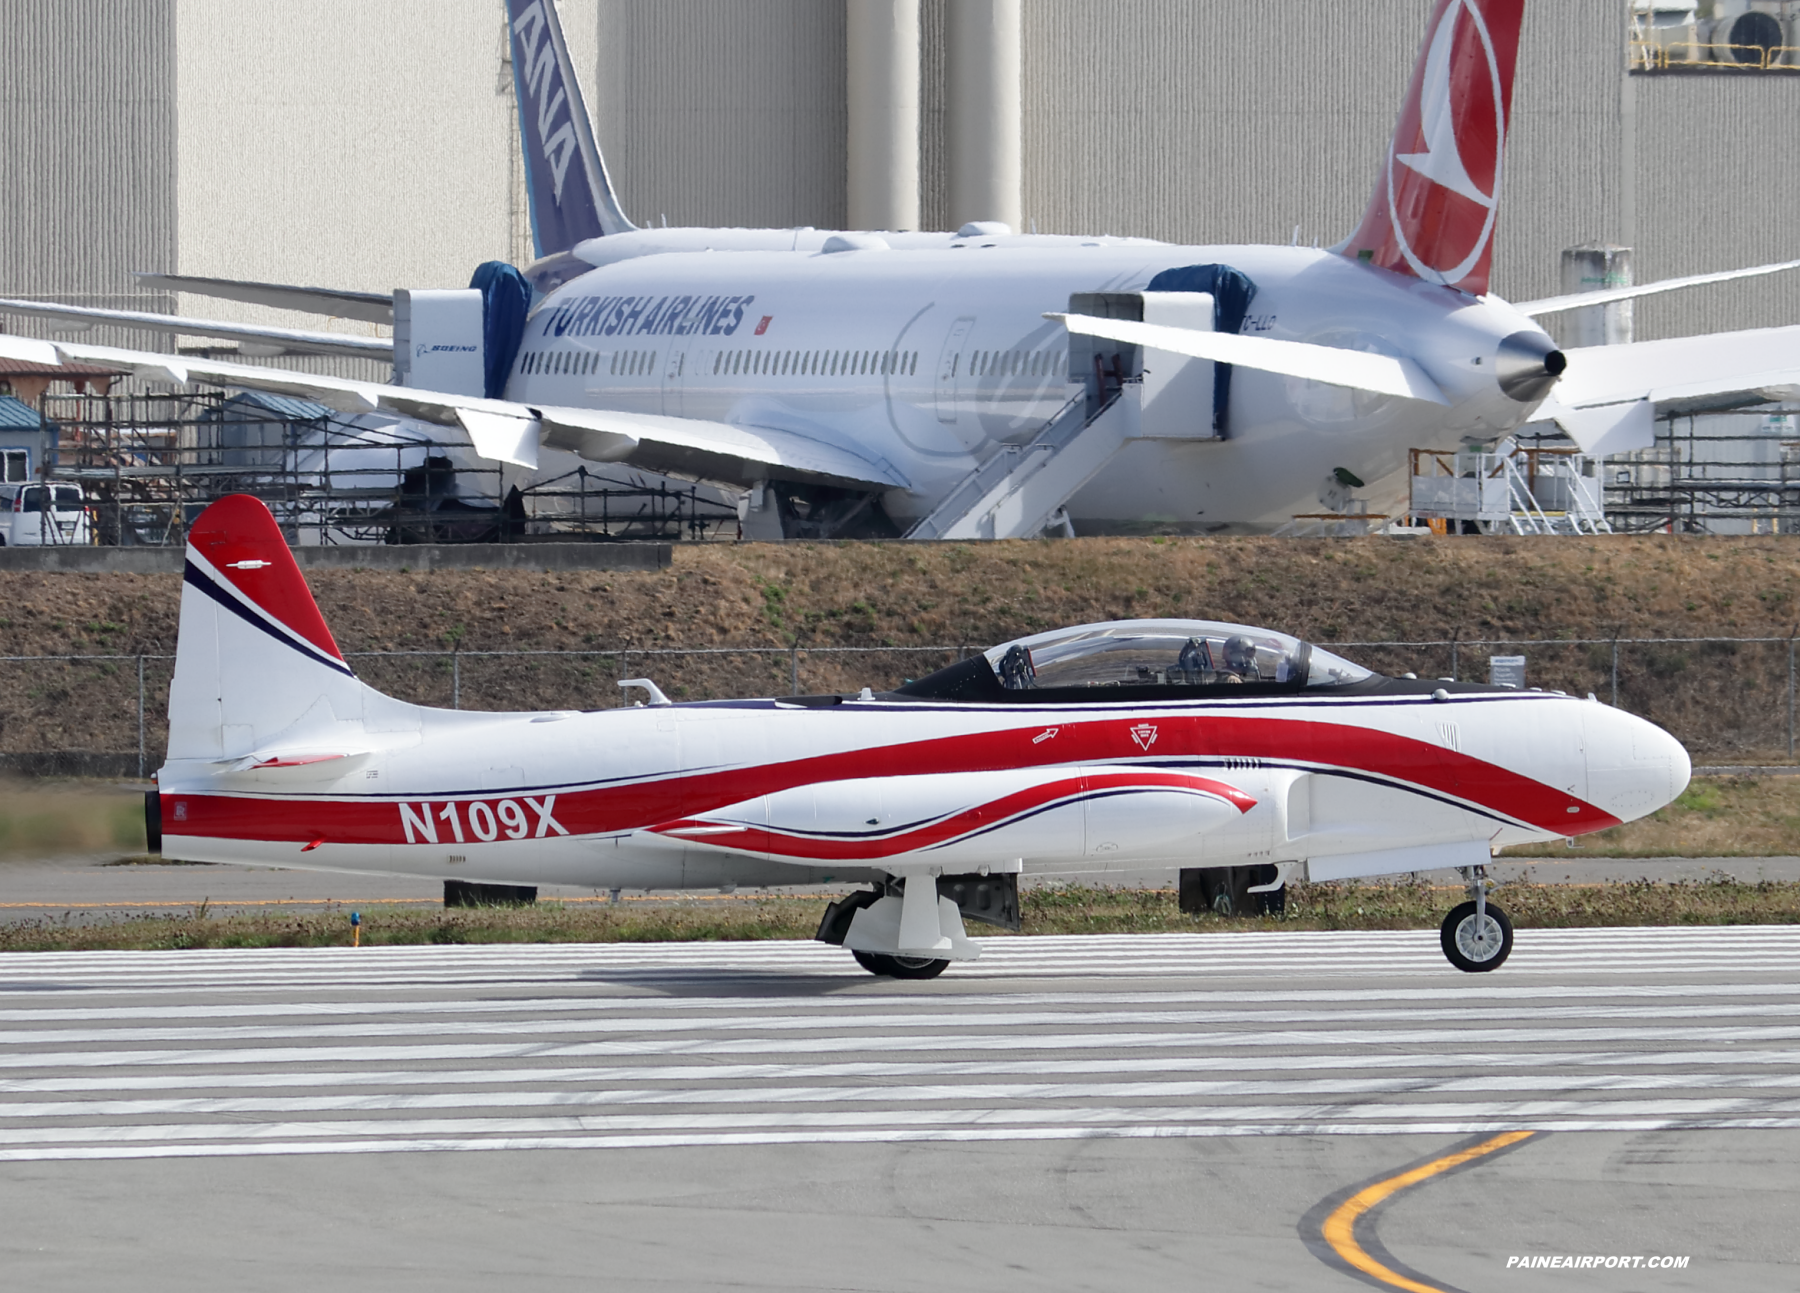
1729,700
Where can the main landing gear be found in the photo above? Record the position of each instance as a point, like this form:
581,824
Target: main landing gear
911,926
1476,935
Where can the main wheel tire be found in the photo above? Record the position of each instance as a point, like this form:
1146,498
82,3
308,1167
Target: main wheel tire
900,967
916,967
1472,947
873,962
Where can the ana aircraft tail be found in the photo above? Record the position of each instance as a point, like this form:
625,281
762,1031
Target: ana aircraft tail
565,178
258,676
1432,212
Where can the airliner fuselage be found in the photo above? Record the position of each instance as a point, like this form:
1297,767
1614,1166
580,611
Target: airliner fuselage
931,361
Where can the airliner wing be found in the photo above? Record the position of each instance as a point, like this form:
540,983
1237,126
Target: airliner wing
370,307
290,340
1607,295
1357,369
1606,397
510,431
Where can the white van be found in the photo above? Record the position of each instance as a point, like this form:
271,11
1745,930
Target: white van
24,522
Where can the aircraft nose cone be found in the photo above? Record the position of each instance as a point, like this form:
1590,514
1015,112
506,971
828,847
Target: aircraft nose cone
1634,767
1527,365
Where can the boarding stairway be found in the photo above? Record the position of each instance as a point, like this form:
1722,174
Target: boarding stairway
1019,491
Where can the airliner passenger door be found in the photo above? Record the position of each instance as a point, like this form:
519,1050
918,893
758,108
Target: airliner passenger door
949,364
674,376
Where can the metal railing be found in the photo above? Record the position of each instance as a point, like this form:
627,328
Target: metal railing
1723,56
1729,699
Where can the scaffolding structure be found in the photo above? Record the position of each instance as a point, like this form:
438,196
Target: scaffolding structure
1730,472
1519,487
148,464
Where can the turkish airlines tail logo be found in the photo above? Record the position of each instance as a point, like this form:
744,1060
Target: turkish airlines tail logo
1432,212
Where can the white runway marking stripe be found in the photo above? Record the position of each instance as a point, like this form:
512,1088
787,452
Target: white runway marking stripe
603,1047
1623,952
876,1018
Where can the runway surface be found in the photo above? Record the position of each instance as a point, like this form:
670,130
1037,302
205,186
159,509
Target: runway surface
1245,1073
88,889
386,1049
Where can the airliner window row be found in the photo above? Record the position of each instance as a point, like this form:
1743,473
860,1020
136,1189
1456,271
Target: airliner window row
1013,363
820,363
624,363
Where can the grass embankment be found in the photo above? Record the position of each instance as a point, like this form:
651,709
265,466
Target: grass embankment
1728,703
1072,910
49,818
1715,817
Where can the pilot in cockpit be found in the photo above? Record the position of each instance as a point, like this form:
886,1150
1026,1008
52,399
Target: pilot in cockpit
1240,660
1194,664
1016,670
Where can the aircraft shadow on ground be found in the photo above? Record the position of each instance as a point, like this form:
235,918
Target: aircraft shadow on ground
718,983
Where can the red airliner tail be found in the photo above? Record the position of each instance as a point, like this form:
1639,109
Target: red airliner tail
1433,209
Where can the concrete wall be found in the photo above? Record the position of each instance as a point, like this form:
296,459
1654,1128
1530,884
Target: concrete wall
87,138
724,112
1718,186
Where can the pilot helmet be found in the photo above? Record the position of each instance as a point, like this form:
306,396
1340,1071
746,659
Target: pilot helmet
1240,654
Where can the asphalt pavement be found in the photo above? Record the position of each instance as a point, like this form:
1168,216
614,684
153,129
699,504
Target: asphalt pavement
1238,1111
88,888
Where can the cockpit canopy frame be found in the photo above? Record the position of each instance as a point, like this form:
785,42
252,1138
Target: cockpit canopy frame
1133,660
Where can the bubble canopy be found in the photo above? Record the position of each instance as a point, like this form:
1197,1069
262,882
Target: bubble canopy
1166,653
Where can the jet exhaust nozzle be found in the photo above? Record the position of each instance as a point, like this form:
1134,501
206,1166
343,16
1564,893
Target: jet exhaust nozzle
1527,365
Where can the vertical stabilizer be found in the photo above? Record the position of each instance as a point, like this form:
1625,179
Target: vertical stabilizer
255,665
1432,212
571,196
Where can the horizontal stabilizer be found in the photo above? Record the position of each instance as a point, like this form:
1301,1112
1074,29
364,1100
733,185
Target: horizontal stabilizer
1332,365
1605,296
289,340
369,307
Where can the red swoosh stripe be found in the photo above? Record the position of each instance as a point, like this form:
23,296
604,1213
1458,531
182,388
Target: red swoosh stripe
980,818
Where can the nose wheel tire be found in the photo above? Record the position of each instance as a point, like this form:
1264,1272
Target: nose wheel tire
900,967
1476,945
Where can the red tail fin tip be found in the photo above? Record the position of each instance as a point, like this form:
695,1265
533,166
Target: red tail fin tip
1433,209
240,540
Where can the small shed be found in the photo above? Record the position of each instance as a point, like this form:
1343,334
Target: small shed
28,381
27,441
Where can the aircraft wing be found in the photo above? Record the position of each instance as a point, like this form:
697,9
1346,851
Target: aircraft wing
510,431
1606,295
289,340
1333,365
1607,397
370,307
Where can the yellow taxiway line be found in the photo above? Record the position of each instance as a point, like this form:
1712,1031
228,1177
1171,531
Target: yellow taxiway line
1339,1229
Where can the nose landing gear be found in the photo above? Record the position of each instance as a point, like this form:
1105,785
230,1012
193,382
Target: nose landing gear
1476,935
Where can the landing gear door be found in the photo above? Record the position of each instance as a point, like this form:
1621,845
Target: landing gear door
1178,389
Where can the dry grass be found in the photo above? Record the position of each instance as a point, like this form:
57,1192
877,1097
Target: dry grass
1714,817
60,817
1071,910
1725,702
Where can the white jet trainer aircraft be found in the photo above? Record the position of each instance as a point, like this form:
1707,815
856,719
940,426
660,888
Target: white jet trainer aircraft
984,383
1083,751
